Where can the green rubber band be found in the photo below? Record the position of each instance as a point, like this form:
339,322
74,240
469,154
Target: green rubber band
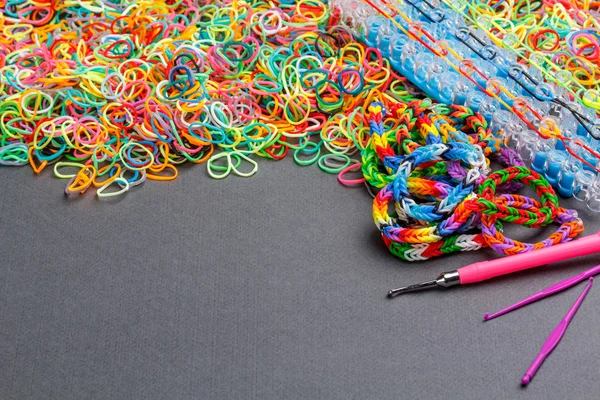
309,161
329,105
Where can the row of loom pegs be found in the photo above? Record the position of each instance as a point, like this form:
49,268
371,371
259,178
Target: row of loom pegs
445,41
483,68
524,107
567,173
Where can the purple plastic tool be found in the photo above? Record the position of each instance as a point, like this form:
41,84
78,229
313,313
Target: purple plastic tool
557,287
555,337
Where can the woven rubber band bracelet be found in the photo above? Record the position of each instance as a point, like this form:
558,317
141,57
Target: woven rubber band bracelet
437,221
407,127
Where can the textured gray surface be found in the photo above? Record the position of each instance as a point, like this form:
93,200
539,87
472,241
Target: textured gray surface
265,288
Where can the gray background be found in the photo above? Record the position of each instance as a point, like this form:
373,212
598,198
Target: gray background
271,287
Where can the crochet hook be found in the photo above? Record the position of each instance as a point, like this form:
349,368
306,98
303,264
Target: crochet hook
555,337
484,270
557,287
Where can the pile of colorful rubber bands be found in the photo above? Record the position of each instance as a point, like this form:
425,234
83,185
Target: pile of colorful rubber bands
109,95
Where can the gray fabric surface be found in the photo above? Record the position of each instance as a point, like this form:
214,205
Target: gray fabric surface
271,287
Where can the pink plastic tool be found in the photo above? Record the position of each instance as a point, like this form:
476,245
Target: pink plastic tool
557,287
484,270
555,337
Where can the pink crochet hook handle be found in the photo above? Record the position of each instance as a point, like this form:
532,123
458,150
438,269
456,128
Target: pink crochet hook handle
484,270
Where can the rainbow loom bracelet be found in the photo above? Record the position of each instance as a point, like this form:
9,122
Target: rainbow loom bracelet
438,212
